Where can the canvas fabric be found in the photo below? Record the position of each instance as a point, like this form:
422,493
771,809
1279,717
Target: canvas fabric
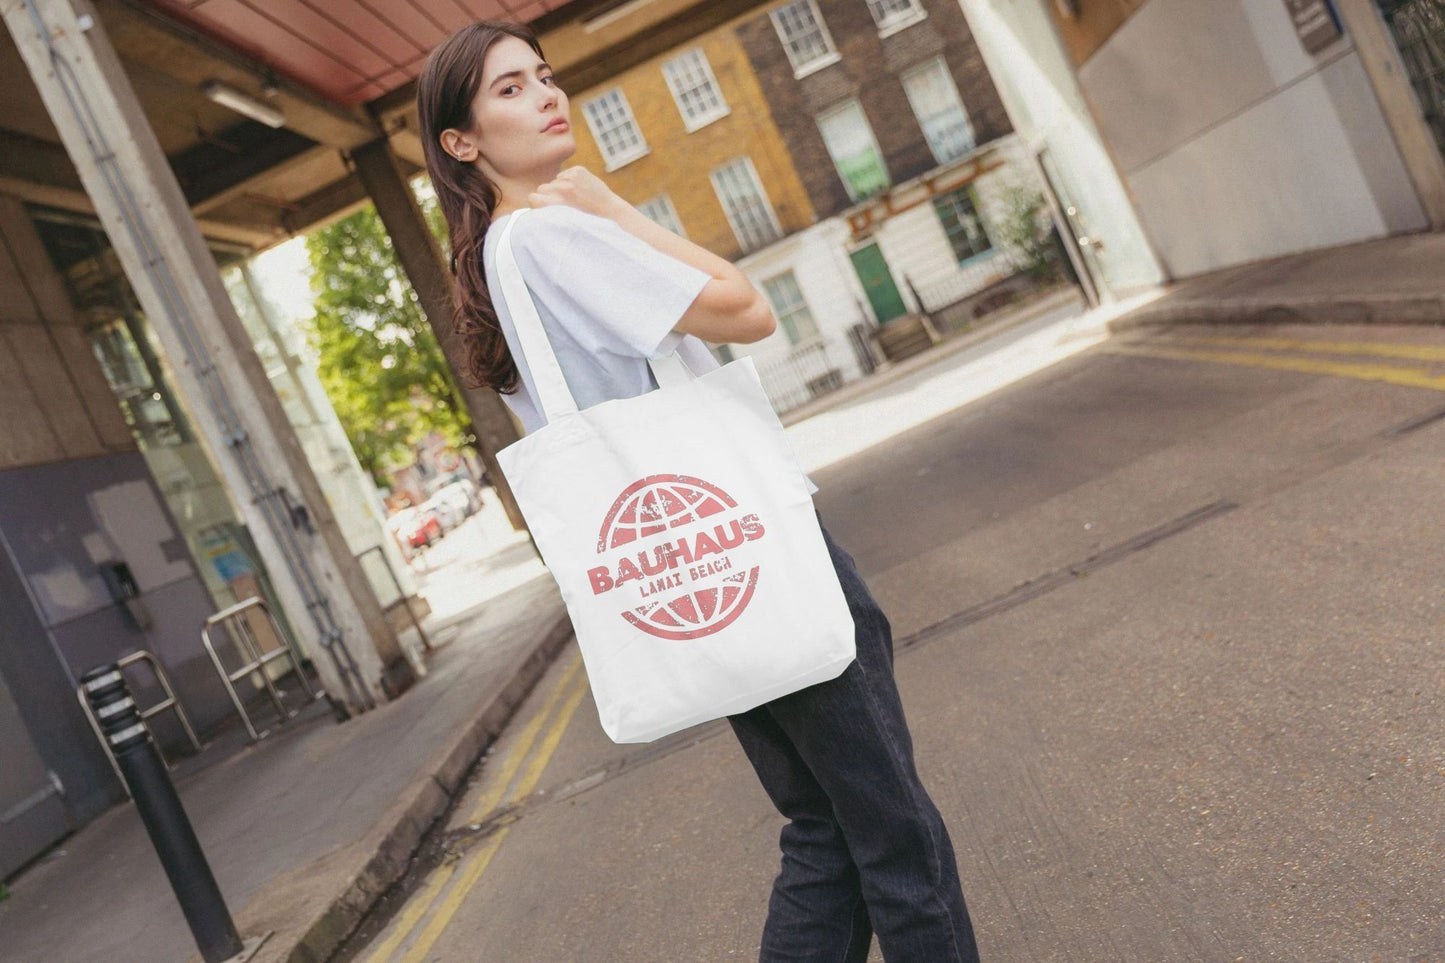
682,535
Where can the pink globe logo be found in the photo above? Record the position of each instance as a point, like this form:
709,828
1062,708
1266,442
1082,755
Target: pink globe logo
675,536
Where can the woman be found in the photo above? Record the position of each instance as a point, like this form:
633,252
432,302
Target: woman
865,850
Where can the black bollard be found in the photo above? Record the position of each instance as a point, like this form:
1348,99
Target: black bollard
160,809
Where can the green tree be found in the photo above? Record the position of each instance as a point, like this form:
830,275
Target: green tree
380,362
1026,227
431,209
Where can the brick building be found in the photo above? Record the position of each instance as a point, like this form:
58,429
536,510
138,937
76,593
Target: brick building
665,132
872,55
848,155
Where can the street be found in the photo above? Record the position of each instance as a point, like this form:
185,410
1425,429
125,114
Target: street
1168,631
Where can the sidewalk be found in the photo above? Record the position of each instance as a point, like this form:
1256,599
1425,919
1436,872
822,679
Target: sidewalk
307,827
1398,280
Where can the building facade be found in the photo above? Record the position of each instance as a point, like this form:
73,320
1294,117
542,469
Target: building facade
849,155
871,93
118,533
687,138
84,526
905,149
1190,137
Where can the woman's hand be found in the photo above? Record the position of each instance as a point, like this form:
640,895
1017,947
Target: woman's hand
727,309
580,188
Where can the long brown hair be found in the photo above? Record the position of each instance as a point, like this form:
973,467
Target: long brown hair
444,92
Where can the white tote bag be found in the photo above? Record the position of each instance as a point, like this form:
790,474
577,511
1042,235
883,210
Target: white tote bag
681,533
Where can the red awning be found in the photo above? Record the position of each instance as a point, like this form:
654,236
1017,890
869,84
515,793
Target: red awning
348,51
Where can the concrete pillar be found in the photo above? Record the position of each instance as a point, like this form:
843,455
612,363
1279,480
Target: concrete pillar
350,485
422,260
236,411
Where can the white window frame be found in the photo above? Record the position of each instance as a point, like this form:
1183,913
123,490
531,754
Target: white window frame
818,62
774,230
613,159
688,73
659,210
892,16
939,66
852,105
969,190
788,313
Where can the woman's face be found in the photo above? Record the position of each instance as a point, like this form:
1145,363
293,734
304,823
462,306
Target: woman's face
520,121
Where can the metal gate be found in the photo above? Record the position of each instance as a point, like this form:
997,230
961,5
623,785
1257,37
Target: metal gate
32,810
1419,30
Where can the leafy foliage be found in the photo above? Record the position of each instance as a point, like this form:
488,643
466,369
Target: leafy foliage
1027,229
380,362
431,209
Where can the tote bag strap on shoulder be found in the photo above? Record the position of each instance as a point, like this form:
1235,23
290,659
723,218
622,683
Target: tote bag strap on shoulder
552,392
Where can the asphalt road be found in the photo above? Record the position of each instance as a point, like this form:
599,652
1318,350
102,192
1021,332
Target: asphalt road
1170,639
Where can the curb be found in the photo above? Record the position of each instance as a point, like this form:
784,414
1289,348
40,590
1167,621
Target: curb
1425,309
398,834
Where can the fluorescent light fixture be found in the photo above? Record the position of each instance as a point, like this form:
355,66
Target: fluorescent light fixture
243,103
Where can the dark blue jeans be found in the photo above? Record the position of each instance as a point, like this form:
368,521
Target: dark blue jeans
865,849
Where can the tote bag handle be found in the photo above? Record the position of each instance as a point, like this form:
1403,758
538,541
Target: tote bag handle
670,370
552,391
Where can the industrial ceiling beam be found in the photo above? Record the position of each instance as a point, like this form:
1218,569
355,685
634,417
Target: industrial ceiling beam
41,172
238,156
143,35
38,162
326,204
406,144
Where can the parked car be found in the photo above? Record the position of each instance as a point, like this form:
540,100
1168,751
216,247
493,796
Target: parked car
415,527
462,493
448,512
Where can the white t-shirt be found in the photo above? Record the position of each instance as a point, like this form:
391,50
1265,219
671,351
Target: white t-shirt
608,301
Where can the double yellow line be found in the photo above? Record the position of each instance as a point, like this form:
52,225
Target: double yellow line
543,733
1204,349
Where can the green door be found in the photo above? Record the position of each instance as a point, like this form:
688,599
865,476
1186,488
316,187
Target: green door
878,282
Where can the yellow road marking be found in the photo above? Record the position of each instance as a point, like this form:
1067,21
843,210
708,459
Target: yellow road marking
1390,374
479,861
476,865
414,912
533,775
422,902
489,799
1375,349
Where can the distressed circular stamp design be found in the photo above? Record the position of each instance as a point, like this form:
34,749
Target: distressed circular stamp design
675,553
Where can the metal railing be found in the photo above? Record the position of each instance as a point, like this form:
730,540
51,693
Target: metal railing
805,373
973,276
400,592
250,649
169,702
